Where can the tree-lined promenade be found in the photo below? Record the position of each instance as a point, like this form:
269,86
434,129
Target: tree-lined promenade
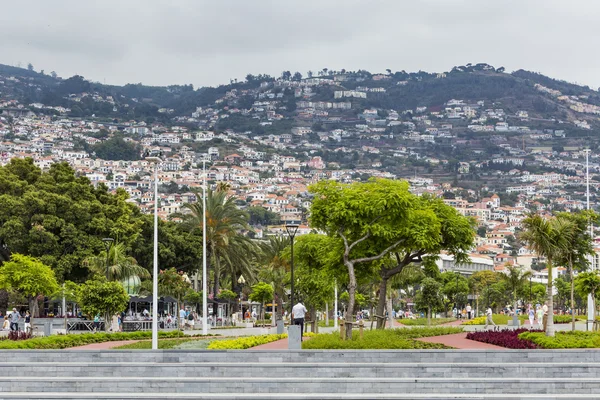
374,240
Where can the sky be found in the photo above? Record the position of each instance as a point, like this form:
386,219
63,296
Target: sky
209,42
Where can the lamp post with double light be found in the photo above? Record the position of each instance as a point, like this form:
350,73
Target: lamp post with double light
291,230
156,161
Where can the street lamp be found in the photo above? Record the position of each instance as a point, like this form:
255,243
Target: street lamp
156,161
204,278
530,290
241,281
291,230
107,244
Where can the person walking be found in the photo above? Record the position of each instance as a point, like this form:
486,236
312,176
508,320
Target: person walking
531,316
489,320
539,315
182,318
298,314
469,311
545,318
27,327
14,320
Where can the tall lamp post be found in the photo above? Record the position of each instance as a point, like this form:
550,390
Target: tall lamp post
204,286
107,244
156,161
291,230
530,290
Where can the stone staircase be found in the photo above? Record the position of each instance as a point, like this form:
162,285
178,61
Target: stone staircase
344,374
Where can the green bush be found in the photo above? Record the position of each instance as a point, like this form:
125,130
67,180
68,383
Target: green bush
67,341
564,340
147,344
423,321
243,343
381,339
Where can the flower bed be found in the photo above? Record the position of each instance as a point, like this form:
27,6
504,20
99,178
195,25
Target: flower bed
423,321
508,338
243,343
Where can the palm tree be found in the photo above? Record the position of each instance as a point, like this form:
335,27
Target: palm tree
575,255
548,238
226,244
588,283
120,265
516,278
275,267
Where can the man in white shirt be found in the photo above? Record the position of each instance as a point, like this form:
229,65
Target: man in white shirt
298,314
489,320
469,311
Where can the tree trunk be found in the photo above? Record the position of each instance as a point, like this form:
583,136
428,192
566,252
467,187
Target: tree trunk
572,296
515,316
217,272
33,306
381,302
550,297
428,315
351,296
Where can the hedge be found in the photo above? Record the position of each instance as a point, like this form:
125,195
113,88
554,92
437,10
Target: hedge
75,340
564,340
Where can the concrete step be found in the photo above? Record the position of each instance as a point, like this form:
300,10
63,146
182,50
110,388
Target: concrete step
324,370
303,385
289,396
308,356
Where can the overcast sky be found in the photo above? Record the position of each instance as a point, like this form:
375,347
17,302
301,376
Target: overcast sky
207,42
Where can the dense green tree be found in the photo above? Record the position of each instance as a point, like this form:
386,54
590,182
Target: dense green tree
29,277
99,297
60,218
275,268
116,148
262,292
261,216
429,297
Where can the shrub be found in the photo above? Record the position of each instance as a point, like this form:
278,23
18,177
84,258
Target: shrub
562,319
243,343
18,335
563,340
508,338
74,340
423,321
381,339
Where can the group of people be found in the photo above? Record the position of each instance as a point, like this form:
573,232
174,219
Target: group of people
538,314
11,321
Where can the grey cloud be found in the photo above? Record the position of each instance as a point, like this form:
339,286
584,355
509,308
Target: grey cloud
207,42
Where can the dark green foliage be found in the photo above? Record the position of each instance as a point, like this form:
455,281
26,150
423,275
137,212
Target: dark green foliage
116,148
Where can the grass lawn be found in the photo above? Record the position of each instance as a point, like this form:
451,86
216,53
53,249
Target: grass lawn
423,321
381,339
564,340
163,344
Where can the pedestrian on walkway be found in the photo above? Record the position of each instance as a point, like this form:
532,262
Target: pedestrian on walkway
545,320
489,320
182,318
298,313
469,310
14,320
531,316
27,326
540,316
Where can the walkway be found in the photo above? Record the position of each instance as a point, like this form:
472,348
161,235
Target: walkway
460,341
103,345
